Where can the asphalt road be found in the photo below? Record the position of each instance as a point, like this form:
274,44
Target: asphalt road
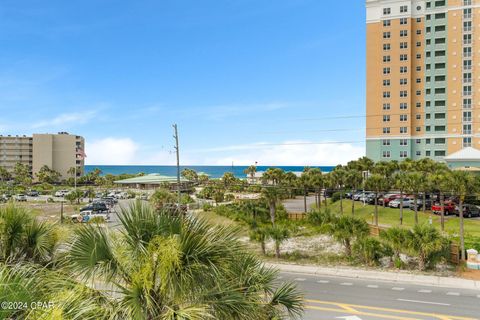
353,299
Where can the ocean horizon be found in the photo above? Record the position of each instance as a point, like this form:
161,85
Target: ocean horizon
212,171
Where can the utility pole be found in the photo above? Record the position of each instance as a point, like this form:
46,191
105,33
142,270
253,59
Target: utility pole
177,150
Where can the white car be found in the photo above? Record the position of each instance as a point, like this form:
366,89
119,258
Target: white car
407,202
85,216
61,193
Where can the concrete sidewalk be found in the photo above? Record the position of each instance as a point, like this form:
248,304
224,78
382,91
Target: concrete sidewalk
401,277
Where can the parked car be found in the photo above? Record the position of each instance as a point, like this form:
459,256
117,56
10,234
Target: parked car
85,216
364,197
3,198
371,198
448,208
356,196
33,193
419,204
469,211
396,202
95,207
385,200
61,193
20,197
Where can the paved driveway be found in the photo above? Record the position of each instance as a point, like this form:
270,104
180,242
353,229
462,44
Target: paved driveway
296,205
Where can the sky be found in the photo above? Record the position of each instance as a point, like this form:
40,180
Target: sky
277,82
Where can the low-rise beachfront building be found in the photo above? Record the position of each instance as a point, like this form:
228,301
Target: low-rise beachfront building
467,159
154,181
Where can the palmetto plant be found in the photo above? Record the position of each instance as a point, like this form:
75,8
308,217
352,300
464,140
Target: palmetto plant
272,194
397,238
278,234
346,229
426,243
169,267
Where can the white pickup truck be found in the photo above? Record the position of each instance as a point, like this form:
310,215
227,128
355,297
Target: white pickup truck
85,216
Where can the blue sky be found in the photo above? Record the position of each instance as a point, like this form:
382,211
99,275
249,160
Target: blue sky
246,80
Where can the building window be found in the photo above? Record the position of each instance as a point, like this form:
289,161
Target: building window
403,82
403,33
386,47
403,154
386,118
386,94
419,44
386,35
387,11
467,129
418,68
403,69
419,56
419,32
404,142
418,153
418,80
439,153
386,106
467,103
403,129
403,117
418,93
440,140
418,141
418,105
427,153
386,142
386,154
386,130
386,70
467,116
386,83
403,106
418,117
403,45
403,94
403,21
403,57
403,9
386,58
418,129
386,23
467,142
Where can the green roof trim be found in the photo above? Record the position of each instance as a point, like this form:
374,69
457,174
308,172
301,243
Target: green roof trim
151,179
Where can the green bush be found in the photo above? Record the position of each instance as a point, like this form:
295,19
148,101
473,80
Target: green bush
320,217
369,251
97,220
336,196
207,207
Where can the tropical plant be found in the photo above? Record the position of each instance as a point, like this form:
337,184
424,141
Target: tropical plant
251,171
321,218
347,229
368,250
401,183
304,183
278,234
439,182
427,244
462,183
228,180
21,173
377,183
5,175
74,195
338,178
170,267
273,176
317,181
259,233
397,238
162,197
415,183
190,174
272,195
353,179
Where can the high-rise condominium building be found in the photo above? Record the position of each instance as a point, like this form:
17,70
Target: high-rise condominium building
59,152
423,88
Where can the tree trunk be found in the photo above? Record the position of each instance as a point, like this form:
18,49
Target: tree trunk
462,235
376,209
421,262
325,197
348,247
442,213
341,201
273,210
264,251
424,199
401,207
416,208
277,250
353,205
305,200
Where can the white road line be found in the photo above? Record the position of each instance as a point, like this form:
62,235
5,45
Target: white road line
424,291
346,284
453,294
374,286
299,279
323,281
398,289
424,302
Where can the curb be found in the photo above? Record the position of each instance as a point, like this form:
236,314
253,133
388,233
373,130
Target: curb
446,282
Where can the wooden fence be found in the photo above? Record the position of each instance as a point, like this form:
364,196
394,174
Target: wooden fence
296,216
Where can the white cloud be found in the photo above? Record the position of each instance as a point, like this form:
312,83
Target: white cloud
112,151
301,153
66,118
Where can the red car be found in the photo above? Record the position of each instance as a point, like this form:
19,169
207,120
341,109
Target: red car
448,207
387,198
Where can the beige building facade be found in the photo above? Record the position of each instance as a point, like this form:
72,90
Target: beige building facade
423,88
59,152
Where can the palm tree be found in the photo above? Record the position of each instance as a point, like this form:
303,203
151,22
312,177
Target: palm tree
346,229
273,176
426,242
353,179
304,184
439,181
251,171
289,181
462,183
415,182
170,267
317,181
272,195
161,198
397,238
426,166
259,234
401,183
338,176
377,183
228,180
278,234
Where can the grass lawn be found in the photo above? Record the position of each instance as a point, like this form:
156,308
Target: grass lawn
390,217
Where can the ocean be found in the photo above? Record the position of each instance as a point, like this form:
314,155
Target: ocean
212,171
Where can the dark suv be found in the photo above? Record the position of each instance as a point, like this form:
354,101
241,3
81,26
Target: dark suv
469,211
95,207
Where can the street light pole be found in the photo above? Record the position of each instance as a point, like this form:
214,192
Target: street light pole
175,128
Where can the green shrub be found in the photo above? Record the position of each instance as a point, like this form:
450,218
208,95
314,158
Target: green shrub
368,250
336,196
207,207
229,197
320,217
97,220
